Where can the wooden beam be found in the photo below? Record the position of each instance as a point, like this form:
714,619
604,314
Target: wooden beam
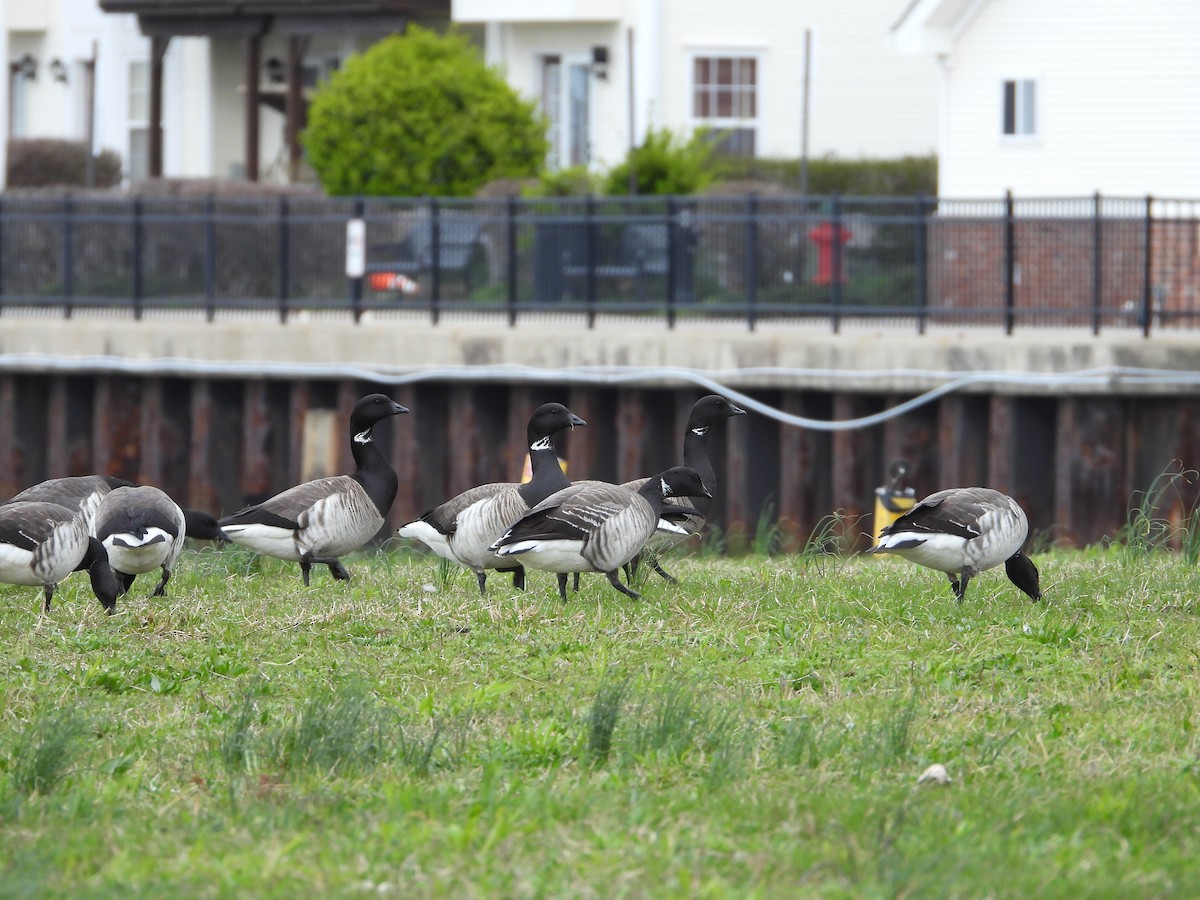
294,107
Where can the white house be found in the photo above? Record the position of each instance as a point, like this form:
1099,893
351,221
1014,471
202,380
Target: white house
605,70
1063,98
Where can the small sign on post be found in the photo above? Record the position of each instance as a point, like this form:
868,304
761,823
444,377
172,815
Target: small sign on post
356,248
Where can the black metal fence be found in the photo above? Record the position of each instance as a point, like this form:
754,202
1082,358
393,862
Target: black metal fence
1091,262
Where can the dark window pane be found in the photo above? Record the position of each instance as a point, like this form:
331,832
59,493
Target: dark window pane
725,71
1010,107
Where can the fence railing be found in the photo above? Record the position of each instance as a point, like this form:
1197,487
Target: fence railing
1093,262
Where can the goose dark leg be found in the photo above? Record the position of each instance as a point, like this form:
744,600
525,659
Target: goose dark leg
481,577
960,585
631,567
162,585
562,585
576,586
126,581
665,574
305,568
49,592
519,578
336,569
616,582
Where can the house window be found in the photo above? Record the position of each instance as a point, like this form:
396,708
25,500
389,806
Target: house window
566,103
137,162
1020,108
725,99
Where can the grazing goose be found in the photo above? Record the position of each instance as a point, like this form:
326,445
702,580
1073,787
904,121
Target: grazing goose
463,528
706,412
962,532
42,543
78,492
318,521
143,529
595,527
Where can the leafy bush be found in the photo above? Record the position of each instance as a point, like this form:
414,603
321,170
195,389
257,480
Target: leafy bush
46,162
420,114
664,164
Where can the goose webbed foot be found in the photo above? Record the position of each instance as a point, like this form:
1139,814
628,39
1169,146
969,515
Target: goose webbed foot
160,588
671,579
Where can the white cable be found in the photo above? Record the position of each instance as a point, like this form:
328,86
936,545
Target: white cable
1105,376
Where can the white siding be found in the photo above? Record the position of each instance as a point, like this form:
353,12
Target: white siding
1117,90
867,99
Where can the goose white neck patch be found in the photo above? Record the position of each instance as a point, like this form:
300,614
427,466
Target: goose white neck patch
702,430
363,437
541,444
666,488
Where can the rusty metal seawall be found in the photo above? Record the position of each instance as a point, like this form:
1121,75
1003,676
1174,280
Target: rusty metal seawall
219,416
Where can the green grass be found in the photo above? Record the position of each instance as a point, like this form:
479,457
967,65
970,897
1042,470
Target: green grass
757,730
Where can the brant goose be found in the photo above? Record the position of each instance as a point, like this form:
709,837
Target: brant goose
463,528
78,492
42,543
143,529
962,532
594,526
706,412
318,521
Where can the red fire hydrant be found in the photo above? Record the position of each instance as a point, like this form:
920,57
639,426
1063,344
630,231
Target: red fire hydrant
824,236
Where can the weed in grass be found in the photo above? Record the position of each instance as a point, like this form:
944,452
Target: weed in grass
447,573
674,723
767,536
1146,530
824,543
234,744
602,720
44,753
806,741
346,732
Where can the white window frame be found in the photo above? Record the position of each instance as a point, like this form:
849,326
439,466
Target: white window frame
134,123
751,123
1027,92
560,120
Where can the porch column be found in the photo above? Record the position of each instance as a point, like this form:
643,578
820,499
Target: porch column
253,60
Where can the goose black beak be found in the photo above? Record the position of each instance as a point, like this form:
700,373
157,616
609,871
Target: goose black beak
575,420
737,410
397,409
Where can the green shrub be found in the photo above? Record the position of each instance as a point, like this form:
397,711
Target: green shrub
420,115
47,162
900,177
664,164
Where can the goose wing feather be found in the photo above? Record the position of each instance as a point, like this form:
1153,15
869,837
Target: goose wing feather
285,509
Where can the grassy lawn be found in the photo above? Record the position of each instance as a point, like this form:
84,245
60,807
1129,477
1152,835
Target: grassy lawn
756,730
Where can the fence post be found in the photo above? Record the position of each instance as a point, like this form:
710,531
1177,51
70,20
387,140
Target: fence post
672,252
1010,263
210,256
284,256
1097,262
511,269
435,262
68,260
1148,274
751,264
356,284
835,249
921,260
589,258
138,237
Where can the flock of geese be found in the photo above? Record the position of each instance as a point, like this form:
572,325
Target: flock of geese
116,530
